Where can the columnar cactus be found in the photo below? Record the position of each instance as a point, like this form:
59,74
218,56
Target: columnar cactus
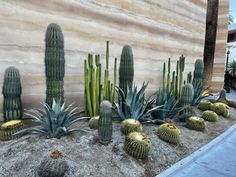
105,122
8,129
126,70
186,100
54,63
12,108
53,166
198,71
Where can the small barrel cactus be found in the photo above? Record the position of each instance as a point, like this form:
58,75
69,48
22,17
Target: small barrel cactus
126,70
105,123
219,108
169,132
204,105
93,122
12,107
130,125
196,123
210,116
54,63
226,113
137,145
8,129
53,166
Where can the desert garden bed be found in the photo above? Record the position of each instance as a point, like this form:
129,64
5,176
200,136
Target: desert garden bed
86,157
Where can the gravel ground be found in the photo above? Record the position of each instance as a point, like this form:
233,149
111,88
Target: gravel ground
87,158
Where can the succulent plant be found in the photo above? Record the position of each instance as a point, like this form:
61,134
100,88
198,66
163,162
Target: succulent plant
93,122
94,90
210,116
137,145
219,108
204,105
53,166
54,63
54,121
130,125
8,129
105,122
12,107
196,123
226,113
222,97
126,70
133,104
169,133
186,101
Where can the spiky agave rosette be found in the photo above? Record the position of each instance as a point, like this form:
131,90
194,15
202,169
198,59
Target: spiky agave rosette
93,122
169,133
8,129
204,105
137,145
210,116
196,123
130,125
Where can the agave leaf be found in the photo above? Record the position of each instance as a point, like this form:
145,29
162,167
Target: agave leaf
36,130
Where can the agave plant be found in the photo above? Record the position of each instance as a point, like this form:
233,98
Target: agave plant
134,105
55,121
170,107
199,93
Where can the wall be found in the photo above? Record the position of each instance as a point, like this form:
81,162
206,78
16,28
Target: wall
221,44
155,29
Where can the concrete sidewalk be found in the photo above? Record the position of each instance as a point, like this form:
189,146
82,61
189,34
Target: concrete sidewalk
215,159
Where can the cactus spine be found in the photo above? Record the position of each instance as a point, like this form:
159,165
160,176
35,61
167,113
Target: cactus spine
12,108
94,91
54,63
126,70
105,123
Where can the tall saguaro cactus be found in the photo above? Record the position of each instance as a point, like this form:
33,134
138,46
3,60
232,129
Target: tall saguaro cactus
54,63
126,70
12,108
105,122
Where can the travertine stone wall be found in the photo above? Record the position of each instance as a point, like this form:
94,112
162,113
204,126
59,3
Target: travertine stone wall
155,29
221,44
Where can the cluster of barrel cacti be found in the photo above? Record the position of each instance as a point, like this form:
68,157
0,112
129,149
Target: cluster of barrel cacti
94,91
9,128
54,64
12,107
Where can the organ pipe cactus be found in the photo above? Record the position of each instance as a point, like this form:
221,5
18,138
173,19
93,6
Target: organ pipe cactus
105,123
54,64
12,107
126,69
94,90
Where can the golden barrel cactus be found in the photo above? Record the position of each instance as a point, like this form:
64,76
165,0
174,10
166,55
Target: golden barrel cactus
137,145
204,105
8,129
93,122
196,123
210,116
169,133
130,125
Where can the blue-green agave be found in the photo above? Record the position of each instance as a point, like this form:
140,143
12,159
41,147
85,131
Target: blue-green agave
55,121
134,105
